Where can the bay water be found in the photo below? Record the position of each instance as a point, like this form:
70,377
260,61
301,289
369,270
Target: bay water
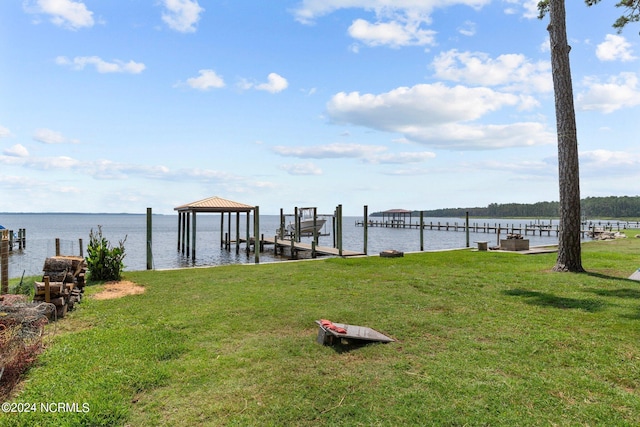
42,229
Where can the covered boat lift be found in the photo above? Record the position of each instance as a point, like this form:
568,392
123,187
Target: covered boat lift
396,217
187,223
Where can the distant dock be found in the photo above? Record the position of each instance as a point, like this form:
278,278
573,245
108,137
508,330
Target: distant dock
16,240
526,229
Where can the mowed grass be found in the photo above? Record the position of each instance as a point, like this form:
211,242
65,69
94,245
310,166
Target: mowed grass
483,338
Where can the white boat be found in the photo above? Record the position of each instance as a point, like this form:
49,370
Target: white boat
306,222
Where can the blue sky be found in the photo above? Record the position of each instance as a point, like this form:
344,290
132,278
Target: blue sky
418,104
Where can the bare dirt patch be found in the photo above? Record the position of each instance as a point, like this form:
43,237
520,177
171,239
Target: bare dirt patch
113,290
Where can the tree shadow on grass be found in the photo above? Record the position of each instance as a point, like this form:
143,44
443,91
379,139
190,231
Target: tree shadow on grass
614,278
544,299
617,293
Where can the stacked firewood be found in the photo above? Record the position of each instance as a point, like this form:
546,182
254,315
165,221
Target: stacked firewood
62,283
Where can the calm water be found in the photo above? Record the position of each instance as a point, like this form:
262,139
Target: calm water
43,229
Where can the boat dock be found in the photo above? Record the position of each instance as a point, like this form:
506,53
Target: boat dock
526,229
18,239
282,244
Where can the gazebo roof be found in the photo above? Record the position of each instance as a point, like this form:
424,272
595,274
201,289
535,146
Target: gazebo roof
214,204
394,211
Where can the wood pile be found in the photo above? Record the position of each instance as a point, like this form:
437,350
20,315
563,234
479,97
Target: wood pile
62,283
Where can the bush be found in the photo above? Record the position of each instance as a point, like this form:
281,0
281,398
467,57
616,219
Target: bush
103,261
23,287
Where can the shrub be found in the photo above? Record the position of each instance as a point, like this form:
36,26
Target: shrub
103,261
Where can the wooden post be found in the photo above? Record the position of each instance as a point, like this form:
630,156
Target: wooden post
315,232
229,231
313,248
334,228
237,233
149,236
467,227
296,222
57,246
339,230
4,263
248,236
188,235
179,221
221,229
366,228
282,224
184,230
256,233
421,230
294,254
81,246
47,289
193,244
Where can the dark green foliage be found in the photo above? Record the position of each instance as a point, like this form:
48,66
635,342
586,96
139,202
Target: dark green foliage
104,261
23,287
591,207
631,11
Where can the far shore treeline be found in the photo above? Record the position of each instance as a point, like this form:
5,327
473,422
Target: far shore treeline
591,207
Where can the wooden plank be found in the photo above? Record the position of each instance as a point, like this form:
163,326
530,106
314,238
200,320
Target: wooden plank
362,333
302,246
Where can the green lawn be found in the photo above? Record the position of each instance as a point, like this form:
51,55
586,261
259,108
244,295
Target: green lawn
483,338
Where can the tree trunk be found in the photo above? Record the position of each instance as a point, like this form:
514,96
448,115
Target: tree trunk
569,250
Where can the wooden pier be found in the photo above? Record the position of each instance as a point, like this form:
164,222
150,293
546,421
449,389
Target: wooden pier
18,239
526,229
283,244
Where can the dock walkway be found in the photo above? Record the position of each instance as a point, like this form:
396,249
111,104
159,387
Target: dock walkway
526,229
302,246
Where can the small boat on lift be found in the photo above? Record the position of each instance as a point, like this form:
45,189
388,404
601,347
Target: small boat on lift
308,225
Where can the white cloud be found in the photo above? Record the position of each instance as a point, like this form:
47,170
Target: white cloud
513,71
397,22
617,158
4,132
49,136
208,79
309,10
109,170
619,92
612,161
182,15
614,48
458,136
329,151
467,29
63,13
420,105
530,9
402,158
17,150
275,83
301,169
368,153
437,115
117,66
394,33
